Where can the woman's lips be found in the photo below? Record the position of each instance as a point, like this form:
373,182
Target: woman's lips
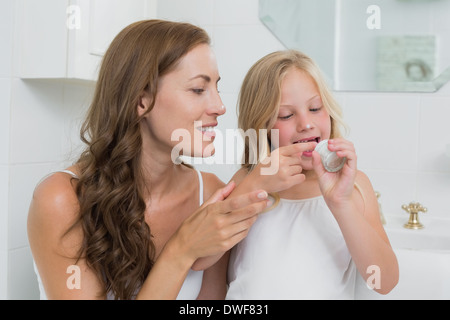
207,131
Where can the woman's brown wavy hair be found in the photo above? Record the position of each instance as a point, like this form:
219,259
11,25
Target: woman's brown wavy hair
117,241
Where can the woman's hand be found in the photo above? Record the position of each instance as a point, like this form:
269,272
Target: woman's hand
337,187
218,225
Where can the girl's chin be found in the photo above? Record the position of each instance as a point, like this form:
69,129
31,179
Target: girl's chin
307,164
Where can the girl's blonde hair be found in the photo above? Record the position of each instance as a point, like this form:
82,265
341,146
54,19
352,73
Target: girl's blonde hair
260,98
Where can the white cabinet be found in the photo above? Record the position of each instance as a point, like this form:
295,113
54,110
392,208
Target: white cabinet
66,39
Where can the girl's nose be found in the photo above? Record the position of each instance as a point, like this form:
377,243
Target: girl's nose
304,124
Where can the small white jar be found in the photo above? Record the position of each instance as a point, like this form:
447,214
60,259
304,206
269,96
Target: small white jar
330,160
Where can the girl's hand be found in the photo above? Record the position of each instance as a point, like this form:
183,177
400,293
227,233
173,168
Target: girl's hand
282,169
337,187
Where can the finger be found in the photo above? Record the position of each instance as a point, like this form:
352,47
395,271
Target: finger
317,164
295,178
228,189
238,237
344,148
350,155
295,148
221,194
239,230
241,201
247,212
291,161
340,144
294,170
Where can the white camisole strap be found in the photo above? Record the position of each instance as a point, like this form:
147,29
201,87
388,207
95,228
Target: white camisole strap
200,189
70,172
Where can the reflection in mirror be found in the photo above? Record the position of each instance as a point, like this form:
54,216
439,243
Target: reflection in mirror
368,45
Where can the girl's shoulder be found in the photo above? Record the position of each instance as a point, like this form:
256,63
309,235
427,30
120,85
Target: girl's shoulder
363,181
239,175
215,183
366,191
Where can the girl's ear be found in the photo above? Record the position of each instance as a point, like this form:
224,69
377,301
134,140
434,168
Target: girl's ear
144,103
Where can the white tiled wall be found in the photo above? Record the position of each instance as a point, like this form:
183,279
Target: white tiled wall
6,36
400,138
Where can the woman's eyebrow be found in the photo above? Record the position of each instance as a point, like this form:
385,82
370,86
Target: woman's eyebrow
204,77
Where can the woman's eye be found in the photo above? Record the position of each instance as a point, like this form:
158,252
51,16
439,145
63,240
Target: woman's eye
315,109
198,91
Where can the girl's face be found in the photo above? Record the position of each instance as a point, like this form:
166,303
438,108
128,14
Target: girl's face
187,106
302,116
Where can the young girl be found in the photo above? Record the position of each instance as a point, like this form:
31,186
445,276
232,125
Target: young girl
322,230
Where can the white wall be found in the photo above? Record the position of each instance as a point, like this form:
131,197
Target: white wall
39,121
400,137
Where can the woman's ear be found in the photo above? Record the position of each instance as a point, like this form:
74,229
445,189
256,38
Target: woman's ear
144,103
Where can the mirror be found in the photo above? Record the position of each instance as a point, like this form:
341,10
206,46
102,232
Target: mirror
368,45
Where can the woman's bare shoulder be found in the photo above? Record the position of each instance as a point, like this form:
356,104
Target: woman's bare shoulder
54,202
55,238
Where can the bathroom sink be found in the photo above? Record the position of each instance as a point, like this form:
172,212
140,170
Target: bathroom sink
435,236
423,257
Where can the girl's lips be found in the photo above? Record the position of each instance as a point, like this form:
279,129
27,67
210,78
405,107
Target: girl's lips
307,153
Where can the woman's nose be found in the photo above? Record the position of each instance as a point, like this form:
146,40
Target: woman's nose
217,107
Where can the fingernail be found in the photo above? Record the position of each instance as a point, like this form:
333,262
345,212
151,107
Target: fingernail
262,195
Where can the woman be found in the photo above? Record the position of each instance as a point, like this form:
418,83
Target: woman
125,217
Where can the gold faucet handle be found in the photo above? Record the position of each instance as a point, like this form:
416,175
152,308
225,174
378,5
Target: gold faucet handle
414,207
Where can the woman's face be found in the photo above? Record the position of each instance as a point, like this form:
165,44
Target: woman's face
302,116
187,106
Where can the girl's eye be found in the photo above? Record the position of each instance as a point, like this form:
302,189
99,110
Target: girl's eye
317,109
285,117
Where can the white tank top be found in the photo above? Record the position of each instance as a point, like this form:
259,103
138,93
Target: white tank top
193,282
294,251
